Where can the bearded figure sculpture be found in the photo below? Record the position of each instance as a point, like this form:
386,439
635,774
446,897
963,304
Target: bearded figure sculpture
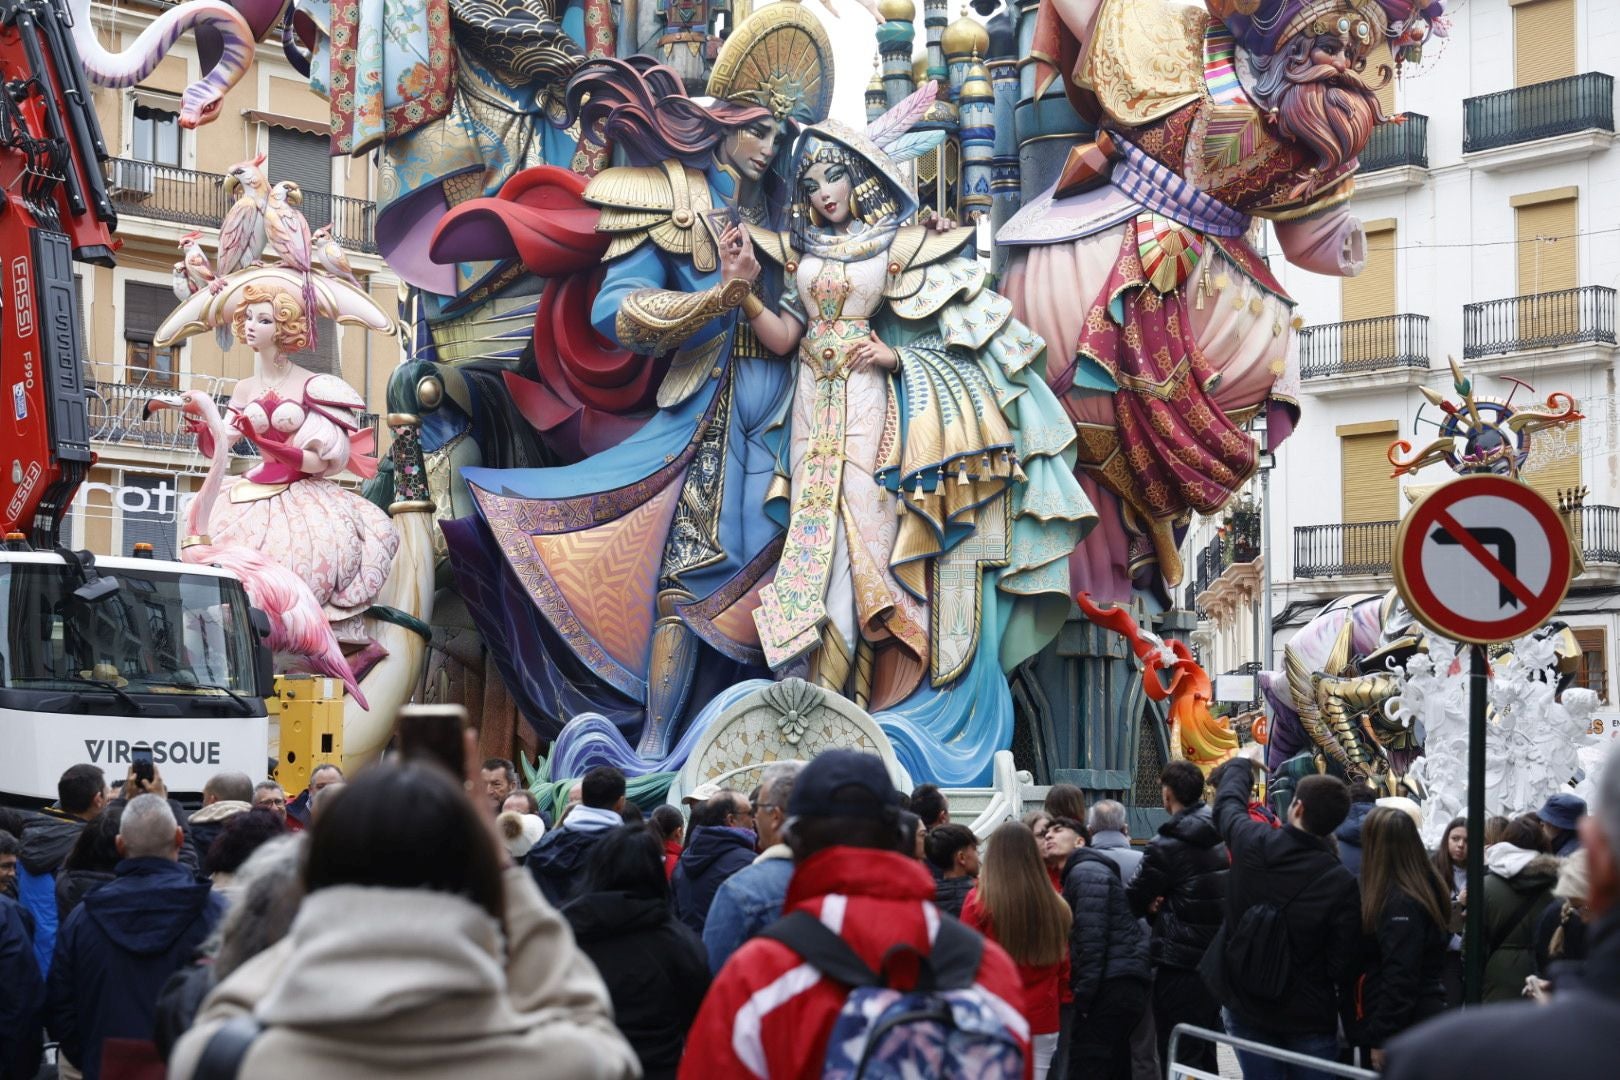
1137,265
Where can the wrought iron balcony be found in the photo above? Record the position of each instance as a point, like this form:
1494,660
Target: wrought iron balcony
1599,530
1363,345
1326,551
198,199
1541,321
1404,141
1239,544
118,416
1561,107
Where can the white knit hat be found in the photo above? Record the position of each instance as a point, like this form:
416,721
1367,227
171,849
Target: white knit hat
520,831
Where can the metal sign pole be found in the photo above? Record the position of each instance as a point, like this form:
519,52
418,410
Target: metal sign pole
1474,940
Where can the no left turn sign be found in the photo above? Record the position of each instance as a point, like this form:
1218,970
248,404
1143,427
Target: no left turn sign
1484,559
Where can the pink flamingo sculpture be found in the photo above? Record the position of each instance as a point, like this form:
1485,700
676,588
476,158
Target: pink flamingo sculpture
298,623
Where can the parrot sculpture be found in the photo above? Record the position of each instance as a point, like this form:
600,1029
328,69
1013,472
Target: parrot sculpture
288,232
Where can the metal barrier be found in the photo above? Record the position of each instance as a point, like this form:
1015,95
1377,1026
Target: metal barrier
1178,1071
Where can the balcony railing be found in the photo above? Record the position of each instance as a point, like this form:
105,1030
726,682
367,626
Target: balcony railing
118,416
1237,545
1324,551
1560,107
1363,345
1541,321
1405,142
198,199
1599,529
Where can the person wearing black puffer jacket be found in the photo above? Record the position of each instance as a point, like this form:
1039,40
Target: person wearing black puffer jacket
1108,958
1181,886
655,968
1295,870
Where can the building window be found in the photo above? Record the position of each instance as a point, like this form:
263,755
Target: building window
155,130
149,508
306,159
1592,669
1369,493
144,309
1543,41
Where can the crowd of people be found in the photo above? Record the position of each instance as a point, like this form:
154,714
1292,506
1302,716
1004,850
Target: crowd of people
413,922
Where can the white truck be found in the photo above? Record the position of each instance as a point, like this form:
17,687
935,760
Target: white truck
100,655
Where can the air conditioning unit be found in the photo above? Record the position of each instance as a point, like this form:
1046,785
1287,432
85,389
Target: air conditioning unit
131,181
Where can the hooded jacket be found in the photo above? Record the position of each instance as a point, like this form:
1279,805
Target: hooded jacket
1349,836
117,950
1321,908
1518,888
47,838
1186,865
206,825
411,983
746,903
1107,942
557,862
769,1014
1571,1038
72,886
713,854
654,968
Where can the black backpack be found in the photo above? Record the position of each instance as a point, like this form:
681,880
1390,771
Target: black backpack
1258,954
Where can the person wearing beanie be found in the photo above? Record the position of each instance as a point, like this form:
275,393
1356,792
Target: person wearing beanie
1561,929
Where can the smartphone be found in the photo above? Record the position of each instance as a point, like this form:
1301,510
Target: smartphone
140,756
433,733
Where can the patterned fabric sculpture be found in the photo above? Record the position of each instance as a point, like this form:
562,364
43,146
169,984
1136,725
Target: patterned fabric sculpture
1205,121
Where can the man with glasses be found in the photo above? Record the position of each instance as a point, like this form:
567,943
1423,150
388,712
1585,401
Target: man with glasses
716,850
751,899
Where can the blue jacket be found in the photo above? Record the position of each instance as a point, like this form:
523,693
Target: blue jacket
746,903
713,854
22,993
117,950
1349,837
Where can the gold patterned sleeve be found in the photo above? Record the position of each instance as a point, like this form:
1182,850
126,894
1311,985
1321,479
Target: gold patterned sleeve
655,321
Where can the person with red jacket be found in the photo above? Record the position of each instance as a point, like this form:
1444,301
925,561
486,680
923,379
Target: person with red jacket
768,1013
670,827
1013,906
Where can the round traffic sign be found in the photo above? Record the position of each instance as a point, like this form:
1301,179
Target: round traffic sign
1483,559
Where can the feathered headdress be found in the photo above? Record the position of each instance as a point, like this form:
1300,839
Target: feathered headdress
885,143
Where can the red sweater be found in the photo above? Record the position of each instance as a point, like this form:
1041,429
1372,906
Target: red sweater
672,855
1043,983
768,1014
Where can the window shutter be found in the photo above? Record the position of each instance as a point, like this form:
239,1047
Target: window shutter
1592,671
324,357
1555,460
1369,492
1371,293
144,309
1543,41
156,524
1380,58
306,159
1547,246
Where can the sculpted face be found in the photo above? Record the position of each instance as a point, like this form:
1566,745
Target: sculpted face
751,149
1324,99
825,187
259,328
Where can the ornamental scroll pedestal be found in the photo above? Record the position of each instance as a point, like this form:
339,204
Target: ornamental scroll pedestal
789,720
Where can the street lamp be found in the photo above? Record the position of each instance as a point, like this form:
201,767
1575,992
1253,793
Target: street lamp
1268,461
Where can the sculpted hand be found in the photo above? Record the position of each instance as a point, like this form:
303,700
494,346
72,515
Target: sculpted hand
939,222
873,353
737,258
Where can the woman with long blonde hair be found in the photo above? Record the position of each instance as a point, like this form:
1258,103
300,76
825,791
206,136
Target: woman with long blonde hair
1015,906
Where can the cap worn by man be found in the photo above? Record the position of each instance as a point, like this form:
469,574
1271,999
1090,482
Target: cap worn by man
1559,816
766,1014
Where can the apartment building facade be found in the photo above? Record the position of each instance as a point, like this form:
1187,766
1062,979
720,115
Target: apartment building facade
1493,226
165,182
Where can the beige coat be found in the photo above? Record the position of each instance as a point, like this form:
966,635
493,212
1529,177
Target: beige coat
410,983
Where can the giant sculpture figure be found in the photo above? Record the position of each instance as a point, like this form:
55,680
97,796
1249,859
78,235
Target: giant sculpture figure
1136,264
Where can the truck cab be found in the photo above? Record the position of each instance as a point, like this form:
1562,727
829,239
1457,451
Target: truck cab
100,655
